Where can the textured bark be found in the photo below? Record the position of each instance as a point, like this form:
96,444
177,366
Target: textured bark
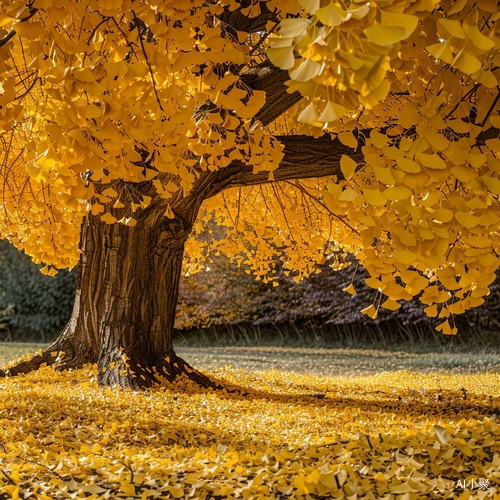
123,317
305,157
272,80
128,281
239,22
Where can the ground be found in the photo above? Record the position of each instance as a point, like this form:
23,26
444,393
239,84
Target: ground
339,362
400,434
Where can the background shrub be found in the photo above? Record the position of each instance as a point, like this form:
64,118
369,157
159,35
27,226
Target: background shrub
41,304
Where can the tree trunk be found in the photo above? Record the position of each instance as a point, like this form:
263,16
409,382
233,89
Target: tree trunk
124,312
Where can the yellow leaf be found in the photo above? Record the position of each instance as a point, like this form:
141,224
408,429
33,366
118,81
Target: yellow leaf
370,311
108,218
348,139
384,35
110,192
97,209
310,6
407,21
309,114
374,197
84,75
128,489
176,491
379,140
441,432
34,171
348,195
443,215
29,30
492,183
467,63
305,72
331,15
409,166
281,57
482,42
405,256
332,113
373,282
467,220
348,166
432,161
445,327
431,311
390,304
384,175
169,213
397,193
450,27
350,290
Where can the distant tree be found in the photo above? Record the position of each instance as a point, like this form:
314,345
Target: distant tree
311,128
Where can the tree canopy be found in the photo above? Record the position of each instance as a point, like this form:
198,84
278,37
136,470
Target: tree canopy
310,129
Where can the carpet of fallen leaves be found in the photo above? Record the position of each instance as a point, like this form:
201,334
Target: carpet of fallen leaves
271,434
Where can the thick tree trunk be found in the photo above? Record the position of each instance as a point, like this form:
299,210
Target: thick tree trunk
123,317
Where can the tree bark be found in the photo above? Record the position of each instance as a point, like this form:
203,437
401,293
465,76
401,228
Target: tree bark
124,312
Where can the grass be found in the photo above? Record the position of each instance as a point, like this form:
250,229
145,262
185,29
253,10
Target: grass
10,351
340,361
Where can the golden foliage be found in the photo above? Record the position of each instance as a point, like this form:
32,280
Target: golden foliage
97,96
414,85
283,436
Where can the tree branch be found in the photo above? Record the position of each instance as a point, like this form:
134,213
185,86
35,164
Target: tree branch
240,22
6,39
305,157
272,80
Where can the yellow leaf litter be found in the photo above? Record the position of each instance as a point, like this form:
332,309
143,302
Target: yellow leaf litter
395,435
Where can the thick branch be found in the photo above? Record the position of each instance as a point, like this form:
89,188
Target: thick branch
240,22
305,157
272,80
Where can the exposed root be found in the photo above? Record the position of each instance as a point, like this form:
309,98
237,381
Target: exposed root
61,355
115,368
25,366
130,374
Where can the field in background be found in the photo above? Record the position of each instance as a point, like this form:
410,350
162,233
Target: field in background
335,362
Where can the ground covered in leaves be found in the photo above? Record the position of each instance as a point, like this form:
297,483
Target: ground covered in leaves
327,362
395,435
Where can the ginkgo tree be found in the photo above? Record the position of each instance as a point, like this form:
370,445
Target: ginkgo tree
309,129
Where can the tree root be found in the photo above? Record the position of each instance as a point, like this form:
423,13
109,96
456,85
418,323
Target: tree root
115,368
131,374
60,355
51,357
